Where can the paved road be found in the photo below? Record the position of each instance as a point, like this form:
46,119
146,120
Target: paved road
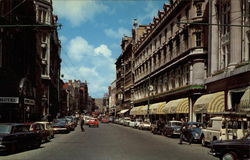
113,142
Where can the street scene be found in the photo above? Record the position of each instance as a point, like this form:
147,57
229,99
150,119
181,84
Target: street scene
111,142
124,79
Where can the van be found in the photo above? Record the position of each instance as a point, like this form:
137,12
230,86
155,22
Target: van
221,128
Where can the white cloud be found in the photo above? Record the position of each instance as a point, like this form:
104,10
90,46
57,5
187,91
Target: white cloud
90,63
103,50
77,12
119,33
78,47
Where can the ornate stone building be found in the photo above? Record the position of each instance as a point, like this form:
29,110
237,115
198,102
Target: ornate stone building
170,58
228,58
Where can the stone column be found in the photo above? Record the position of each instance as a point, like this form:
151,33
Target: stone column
235,34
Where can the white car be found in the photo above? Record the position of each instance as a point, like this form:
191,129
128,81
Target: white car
132,123
126,121
145,125
137,122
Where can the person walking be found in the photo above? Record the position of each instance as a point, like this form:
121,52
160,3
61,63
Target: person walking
186,133
82,123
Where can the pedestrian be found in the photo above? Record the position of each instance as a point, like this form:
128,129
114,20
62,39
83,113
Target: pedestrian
82,123
186,133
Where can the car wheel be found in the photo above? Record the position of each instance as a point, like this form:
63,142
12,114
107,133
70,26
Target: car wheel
229,156
37,144
203,142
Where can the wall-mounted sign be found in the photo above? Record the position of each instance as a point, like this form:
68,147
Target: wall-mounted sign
9,100
28,101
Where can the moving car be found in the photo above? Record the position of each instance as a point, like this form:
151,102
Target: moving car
105,120
172,128
15,136
93,122
231,149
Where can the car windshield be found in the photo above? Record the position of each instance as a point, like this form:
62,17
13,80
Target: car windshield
176,124
5,129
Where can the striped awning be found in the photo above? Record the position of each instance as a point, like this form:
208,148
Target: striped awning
156,108
210,103
123,111
133,111
176,106
143,110
245,101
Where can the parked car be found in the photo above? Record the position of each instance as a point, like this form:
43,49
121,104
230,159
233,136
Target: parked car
220,128
132,123
61,127
144,125
157,127
47,126
72,121
231,149
93,122
39,128
86,119
172,128
195,128
15,136
126,121
137,122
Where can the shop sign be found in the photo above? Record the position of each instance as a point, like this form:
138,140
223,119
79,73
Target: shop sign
9,100
28,101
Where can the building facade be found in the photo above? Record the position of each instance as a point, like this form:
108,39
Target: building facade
30,60
170,58
228,58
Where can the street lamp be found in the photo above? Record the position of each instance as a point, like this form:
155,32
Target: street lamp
150,89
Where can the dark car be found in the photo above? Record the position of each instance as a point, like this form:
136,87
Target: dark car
196,131
231,149
16,136
172,128
61,127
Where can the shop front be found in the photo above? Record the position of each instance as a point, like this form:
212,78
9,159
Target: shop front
209,105
176,109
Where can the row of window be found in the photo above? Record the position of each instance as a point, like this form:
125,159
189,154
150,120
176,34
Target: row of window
176,78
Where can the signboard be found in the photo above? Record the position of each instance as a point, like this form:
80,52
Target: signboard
9,99
28,101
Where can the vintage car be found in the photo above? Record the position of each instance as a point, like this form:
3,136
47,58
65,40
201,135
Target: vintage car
231,149
172,128
157,127
39,128
145,125
195,128
105,120
221,128
16,136
47,126
93,122
61,127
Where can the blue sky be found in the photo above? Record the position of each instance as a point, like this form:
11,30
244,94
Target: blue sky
91,36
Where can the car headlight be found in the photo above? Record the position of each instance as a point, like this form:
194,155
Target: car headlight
196,135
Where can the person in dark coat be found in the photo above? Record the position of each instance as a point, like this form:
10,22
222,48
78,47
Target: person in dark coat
82,123
186,132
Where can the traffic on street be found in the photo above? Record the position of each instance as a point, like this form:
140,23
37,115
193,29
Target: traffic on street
111,142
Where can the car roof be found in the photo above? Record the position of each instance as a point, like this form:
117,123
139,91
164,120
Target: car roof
13,124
